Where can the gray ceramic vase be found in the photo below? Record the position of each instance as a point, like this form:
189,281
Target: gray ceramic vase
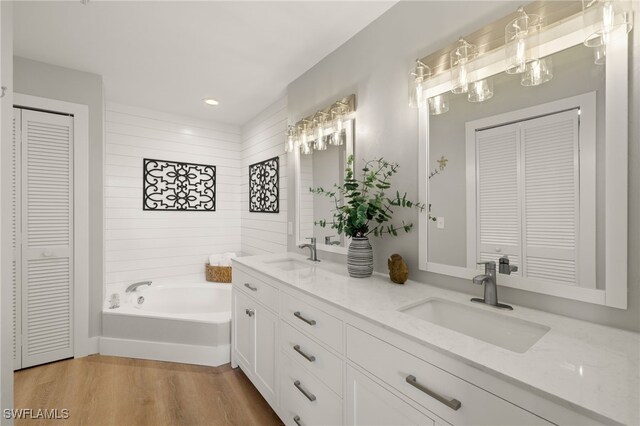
360,258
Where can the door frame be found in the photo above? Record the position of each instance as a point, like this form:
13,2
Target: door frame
82,345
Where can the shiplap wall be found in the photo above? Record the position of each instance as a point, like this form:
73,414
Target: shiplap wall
263,138
159,245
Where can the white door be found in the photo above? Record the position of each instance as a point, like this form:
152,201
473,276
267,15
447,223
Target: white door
370,404
47,237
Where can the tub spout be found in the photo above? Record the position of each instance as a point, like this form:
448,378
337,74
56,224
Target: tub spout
134,286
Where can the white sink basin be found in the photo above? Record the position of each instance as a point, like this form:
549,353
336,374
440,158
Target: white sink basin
289,264
501,330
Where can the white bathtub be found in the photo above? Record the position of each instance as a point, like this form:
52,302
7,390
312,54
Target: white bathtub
188,323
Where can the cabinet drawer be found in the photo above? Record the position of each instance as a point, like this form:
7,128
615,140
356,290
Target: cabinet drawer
316,358
311,320
261,291
304,400
432,387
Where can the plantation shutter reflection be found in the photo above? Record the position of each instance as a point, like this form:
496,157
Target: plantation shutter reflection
499,226
528,191
47,223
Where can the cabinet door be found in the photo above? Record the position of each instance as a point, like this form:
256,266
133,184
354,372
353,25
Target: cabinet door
265,352
244,331
368,403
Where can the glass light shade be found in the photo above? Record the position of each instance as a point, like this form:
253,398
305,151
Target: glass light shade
290,142
321,144
480,91
602,17
318,131
459,59
438,104
417,78
305,146
521,38
600,54
537,72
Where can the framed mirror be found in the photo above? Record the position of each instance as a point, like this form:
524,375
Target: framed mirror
533,177
321,168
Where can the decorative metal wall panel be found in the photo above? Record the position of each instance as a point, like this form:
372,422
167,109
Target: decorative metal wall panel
174,186
264,186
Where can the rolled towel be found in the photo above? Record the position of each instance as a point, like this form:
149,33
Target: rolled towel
225,259
215,259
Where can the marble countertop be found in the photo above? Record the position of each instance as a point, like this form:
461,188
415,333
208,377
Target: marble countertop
578,364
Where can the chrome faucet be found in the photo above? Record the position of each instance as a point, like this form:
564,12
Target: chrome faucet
490,286
313,255
134,286
328,242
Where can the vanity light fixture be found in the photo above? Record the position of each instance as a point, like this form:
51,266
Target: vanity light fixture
417,77
521,37
538,72
438,104
480,91
327,126
210,101
460,59
602,18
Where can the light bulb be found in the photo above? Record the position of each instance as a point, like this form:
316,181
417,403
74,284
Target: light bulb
460,59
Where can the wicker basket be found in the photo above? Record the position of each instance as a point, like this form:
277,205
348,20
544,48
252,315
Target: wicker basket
218,274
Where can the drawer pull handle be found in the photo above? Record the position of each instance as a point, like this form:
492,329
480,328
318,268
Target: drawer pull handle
454,404
299,316
250,312
250,287
297,420
311,397
309,358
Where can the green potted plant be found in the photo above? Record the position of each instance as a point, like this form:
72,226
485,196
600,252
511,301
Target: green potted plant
362,208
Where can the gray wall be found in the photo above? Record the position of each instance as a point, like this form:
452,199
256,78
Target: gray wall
374,65
50,81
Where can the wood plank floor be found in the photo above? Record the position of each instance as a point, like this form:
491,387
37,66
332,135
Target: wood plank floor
104,390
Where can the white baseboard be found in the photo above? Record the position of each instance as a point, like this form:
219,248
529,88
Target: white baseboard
172,352
88,346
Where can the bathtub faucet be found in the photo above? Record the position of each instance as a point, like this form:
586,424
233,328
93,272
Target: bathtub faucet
134,286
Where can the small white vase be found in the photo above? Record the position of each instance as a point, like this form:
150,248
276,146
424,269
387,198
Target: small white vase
360,258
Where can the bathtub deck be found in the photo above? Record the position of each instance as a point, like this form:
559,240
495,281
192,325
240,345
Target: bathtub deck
104,390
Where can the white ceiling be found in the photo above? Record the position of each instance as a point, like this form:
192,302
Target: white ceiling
169,55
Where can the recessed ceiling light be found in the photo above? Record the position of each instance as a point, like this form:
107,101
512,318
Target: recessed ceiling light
210,101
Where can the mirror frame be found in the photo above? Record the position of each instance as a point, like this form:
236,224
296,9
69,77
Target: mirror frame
349,126
560,37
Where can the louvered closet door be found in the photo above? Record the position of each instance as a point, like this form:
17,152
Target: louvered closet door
498,227
47,237
15,241
551,188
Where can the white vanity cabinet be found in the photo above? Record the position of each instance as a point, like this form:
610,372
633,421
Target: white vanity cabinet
317,364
